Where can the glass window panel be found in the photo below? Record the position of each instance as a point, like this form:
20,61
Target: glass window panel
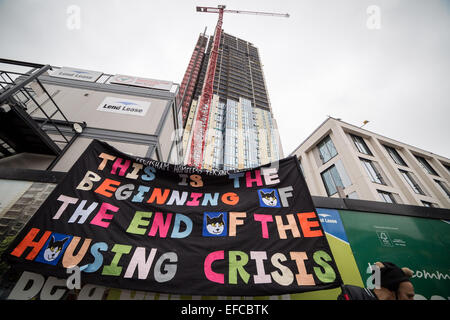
382,196
386,196
393,153
342,173
412,183
331,148
336,178
361,145
426,166
332,180
325,154
443,187
326,149
373,174
329,184
407,178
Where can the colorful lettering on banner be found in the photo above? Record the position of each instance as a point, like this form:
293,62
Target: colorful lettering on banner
140,224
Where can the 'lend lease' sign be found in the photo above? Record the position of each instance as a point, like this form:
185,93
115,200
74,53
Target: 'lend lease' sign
124,106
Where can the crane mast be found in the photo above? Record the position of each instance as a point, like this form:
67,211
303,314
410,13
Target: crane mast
203,107
200,125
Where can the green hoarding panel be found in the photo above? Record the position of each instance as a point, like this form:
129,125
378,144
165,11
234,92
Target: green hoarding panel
417,243
342,253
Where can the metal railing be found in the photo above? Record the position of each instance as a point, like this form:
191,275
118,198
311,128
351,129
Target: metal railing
22,91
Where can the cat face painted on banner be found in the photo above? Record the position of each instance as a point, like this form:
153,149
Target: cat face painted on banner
54,248
268,198
214,224
52,252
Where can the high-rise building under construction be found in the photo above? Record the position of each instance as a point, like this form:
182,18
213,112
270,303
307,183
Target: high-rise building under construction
241,131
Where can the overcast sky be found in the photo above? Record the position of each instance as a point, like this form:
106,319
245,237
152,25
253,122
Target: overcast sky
382,61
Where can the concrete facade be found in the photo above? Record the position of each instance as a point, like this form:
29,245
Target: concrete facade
344,161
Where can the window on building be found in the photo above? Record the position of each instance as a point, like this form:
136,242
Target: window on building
429,204
443,187
331,180
447,166
426,166
408,176
361,145
386,196
372,171
326,149
393,153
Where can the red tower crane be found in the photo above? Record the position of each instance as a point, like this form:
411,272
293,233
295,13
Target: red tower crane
201,122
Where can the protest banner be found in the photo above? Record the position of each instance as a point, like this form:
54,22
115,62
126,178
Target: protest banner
140,224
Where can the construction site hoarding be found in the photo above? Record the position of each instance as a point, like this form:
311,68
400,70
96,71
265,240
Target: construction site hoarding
417,243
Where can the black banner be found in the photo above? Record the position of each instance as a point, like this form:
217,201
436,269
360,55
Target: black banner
140,224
